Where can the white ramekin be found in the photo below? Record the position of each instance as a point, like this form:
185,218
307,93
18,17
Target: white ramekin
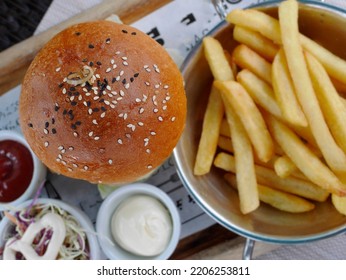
39,170
103,221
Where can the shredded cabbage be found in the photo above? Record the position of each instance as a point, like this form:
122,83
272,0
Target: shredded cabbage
75,245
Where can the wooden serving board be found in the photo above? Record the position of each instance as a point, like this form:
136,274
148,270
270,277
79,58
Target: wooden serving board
215,242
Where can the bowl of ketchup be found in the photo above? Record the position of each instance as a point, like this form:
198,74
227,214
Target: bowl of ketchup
21,172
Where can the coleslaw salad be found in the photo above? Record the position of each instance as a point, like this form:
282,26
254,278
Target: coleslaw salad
74,246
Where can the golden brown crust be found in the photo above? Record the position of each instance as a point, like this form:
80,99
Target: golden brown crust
121,124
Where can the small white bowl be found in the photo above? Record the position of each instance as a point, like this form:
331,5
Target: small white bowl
95,252
103,221
39,170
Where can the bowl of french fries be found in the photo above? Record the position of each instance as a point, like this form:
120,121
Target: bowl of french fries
264,148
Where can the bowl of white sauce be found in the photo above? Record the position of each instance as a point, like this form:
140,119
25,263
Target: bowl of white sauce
138,221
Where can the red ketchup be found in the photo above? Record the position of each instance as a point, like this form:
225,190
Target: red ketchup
16,170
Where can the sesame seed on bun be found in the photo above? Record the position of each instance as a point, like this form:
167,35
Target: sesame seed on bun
102,102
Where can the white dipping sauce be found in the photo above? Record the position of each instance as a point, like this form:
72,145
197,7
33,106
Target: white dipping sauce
142,225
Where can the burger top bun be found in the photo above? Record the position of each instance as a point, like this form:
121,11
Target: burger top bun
102,102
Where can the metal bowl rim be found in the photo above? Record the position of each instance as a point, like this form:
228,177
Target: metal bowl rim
236,229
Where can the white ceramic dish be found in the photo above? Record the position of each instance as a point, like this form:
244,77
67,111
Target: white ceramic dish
39,171
82,218
103,222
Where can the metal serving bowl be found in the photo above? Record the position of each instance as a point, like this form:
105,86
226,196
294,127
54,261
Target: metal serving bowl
326,25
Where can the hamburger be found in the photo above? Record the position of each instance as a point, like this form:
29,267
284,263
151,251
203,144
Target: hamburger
102,102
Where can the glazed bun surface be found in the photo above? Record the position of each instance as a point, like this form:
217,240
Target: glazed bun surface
102,102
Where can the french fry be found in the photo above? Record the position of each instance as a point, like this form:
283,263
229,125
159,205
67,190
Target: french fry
270,28
225,140
334,65
305,133
250,117
221,70
263,95
244,159
268,177
256,21
246,58
217,60
305,160
343,101
333,109
339,203
291,185
260,91
225,143
288,18
256,41
284,167
277,199
210,133
231,63
224,130
284,92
